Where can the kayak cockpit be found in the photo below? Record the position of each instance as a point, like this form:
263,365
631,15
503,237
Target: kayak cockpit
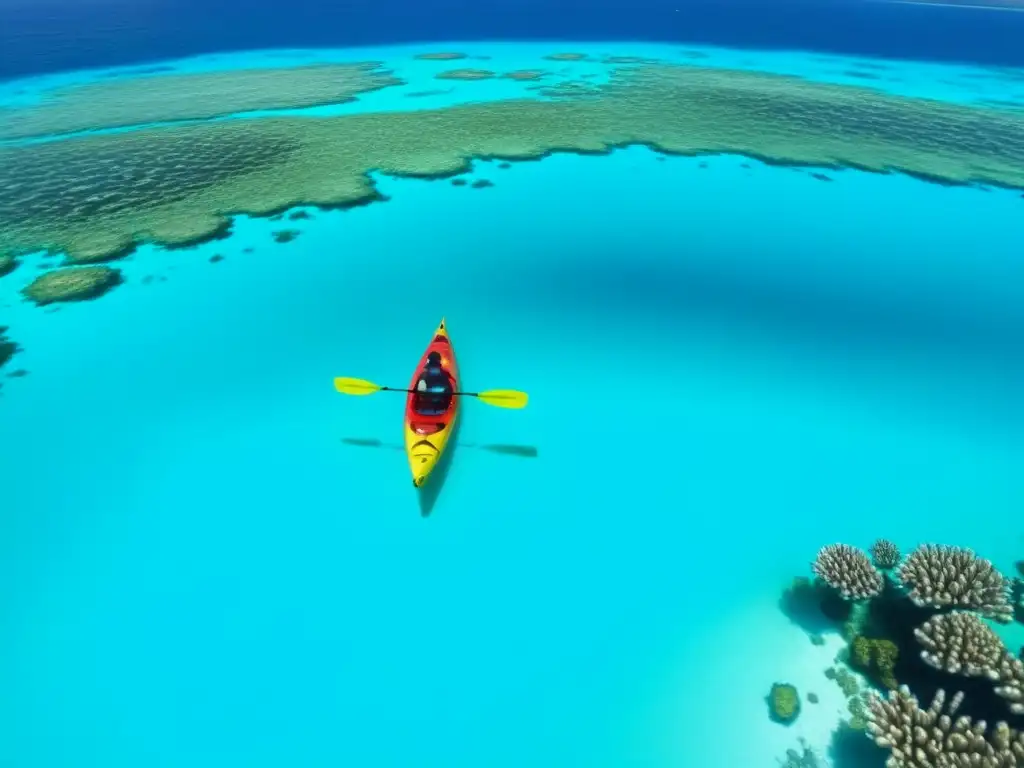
432,394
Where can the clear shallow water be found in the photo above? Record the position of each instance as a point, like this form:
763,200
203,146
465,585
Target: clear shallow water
728,368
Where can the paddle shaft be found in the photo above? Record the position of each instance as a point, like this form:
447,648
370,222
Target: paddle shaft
415,391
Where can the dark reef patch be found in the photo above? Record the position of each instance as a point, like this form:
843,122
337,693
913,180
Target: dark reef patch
8,348
216,258
137,72
482,184
7,264
421,94
861,75
285,235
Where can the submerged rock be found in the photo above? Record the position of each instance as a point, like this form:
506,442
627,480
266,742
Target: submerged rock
73,284
783,703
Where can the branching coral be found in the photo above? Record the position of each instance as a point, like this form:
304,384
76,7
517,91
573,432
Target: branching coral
931,738
951,577
885,554
960,643
1010,673
848,570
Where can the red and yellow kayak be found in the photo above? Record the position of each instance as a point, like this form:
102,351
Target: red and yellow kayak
430,408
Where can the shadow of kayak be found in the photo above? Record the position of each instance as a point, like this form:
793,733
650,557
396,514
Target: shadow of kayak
429,493
523,451
432,489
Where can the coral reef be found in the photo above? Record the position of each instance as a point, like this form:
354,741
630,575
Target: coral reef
525,74
7,264
884,554
942,577
440,56
566,57
179,183
932,738
783,703
191,96
73,284
628,60
921,634
465,74
848,570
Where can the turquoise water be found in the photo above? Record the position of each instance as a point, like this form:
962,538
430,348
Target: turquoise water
728,366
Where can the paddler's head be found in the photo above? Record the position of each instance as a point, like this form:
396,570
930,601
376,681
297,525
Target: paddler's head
434,361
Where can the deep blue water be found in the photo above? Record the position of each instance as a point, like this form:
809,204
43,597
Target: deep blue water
52,35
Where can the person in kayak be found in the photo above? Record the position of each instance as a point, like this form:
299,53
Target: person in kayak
434,389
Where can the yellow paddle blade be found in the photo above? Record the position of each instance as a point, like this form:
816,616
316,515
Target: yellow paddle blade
355,386
504,398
